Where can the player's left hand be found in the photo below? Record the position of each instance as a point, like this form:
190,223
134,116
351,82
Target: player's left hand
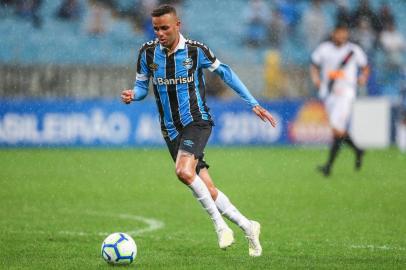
362,80
363,77
264,115
127,96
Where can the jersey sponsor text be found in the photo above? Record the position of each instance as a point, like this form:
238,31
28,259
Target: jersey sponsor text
173,81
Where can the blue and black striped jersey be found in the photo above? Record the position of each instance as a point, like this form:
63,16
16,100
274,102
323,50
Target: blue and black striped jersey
178,82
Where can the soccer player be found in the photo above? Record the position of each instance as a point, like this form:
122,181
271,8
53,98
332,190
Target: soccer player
337,67
176,65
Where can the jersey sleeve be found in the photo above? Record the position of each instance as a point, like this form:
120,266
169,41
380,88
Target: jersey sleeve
232,80
207,59
142,78
360,57
317,56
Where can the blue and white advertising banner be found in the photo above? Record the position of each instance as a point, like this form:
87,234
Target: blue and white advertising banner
31,122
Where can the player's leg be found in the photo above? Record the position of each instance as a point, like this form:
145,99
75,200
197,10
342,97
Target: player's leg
359,153
251,228
185,170
346,108
338,121
333,152
190,148
223,204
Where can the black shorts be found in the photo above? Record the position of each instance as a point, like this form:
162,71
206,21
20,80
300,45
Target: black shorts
192,139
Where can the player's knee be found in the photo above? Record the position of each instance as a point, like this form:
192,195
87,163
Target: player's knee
186,175
338,133
213,192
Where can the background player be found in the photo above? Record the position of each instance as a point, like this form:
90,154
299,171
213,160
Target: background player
337,67
175,65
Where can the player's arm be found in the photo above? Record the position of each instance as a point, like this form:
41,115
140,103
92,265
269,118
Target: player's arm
315,75
316,60
208,60
141,84
363,76
362,62
234,82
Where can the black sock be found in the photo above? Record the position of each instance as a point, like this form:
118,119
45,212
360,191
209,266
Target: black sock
347,139
334,149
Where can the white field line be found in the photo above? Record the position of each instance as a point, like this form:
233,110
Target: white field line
151,225
372,247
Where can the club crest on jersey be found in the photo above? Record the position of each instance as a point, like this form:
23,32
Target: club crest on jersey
153,66
188,63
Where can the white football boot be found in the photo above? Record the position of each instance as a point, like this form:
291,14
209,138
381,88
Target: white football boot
225,237
254,246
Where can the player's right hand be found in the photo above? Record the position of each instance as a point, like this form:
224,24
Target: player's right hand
127,96
317,83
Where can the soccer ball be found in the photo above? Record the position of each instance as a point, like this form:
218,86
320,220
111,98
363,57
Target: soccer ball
119,248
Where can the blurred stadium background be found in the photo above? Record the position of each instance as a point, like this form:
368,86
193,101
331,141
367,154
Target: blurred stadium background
74,56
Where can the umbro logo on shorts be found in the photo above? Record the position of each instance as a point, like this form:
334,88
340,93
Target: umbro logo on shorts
188,143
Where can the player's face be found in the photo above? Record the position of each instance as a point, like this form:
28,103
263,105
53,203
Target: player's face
166,29
340,36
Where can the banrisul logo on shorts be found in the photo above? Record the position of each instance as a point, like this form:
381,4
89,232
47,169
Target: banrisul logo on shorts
188,63
174,81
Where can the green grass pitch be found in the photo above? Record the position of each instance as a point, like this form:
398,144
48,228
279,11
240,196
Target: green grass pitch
57,205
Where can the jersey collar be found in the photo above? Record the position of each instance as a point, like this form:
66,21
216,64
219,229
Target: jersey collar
181,44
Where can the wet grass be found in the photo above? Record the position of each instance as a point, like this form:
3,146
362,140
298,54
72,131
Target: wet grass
56,205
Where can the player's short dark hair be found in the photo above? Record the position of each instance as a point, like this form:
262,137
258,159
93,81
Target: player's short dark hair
341,26
162,10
